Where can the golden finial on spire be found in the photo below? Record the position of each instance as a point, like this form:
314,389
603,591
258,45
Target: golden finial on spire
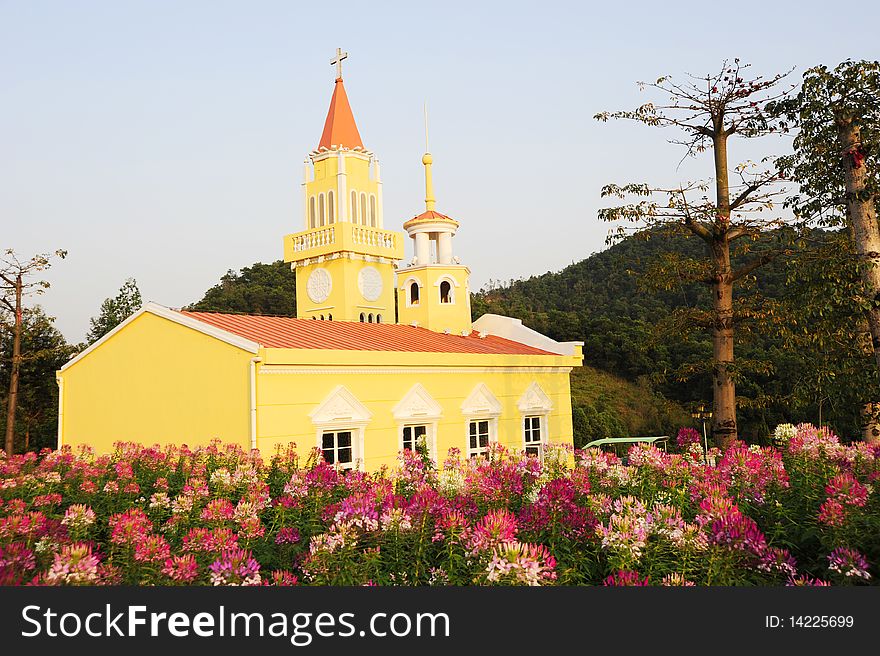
427,160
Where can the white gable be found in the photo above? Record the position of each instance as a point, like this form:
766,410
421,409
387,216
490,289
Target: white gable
417,403
481,401
534,400
340,406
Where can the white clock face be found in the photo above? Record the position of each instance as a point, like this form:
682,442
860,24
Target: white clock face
370,283
319,285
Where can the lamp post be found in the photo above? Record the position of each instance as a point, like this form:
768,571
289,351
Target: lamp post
704,415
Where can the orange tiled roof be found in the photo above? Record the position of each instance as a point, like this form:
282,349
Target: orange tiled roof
430,217
288,332
340,128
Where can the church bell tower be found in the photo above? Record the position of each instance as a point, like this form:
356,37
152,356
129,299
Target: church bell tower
433,292
344,259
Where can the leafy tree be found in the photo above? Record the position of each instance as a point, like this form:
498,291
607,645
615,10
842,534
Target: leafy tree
257,289
708,111
45,351
15,284
115,310
837,166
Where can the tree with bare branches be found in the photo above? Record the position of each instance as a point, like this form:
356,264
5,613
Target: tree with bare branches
15,284
707,111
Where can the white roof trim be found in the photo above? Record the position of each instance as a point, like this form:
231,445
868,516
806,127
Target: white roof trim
515,331
176,317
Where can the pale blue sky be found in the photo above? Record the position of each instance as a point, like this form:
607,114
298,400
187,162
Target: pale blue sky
164,140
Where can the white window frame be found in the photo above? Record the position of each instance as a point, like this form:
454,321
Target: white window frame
418,408
534,402
492,436
341,411
453,284
542,433
480,405
406,291
353,437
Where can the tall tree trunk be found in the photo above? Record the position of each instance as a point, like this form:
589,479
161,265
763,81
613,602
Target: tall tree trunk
724,430
862,215
12,400
723,387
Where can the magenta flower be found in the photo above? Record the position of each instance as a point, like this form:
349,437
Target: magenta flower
848,563
235,567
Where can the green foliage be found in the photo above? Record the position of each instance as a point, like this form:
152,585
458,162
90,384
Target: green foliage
115,310
44,351
257,289
851,92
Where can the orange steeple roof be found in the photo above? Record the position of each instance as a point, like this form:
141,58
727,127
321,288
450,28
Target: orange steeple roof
340,128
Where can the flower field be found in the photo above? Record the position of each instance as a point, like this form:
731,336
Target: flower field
804,513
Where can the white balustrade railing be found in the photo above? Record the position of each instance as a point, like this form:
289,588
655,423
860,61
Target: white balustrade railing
364,235
316,239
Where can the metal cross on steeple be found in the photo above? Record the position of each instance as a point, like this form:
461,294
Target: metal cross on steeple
338,62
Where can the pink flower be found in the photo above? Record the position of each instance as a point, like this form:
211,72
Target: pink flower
281,577
152,549
625,578
218,510
287,535
183,569
496,527
129,527
76,564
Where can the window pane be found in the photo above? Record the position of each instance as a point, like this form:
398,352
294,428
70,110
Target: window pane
473,441
327,440
407,438
484,440
328,456
343,439
421,431
345,455
533,451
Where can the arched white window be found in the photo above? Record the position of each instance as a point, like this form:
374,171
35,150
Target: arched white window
364,208
373,217
354,206
320,209
378,318
446,292
331,207
312,214
370,318
329,317
363,317
414,293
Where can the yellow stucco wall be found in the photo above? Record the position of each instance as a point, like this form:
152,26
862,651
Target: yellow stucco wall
345,301
286,395
430,313
155,381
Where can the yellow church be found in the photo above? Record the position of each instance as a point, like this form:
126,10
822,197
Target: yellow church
382,353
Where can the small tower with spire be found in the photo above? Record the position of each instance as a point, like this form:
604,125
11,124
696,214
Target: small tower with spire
433,291
344,259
